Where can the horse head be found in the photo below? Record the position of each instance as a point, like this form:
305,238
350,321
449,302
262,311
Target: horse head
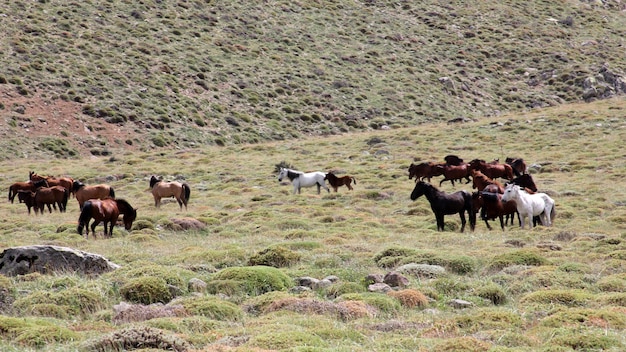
77,185
154,181
420,189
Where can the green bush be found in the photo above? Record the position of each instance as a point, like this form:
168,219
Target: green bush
520,257
249,280
146,290
276,256
34,332
211,307
564,297
384,303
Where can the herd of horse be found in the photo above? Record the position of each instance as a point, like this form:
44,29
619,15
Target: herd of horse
492,199
96,202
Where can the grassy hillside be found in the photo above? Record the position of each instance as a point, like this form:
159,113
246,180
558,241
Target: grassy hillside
549,289
92,76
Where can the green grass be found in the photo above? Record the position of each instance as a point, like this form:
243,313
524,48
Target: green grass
522,297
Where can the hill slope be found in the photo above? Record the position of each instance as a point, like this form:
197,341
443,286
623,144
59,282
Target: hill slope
83,77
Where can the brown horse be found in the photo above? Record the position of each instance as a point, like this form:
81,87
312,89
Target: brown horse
56,195
453,160
28,198
518,165
25,186
162,189
493,207
454,172
480,181
65,182
105,210
336,182
84,193
492,170
525,181
424,170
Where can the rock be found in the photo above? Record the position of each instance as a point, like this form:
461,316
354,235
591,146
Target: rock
374,278
379,287
307,281
196,285
322,283
47,259
459,303
422,270
395,279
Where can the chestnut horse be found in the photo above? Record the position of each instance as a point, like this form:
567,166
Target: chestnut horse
492,170
25,186
480,181
336,182
84,193
65,182
56,195
454,172
446,204
491,206
424,170
28,198
105,210
518,165
162,189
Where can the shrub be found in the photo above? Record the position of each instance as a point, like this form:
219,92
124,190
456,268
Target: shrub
564,297
493,293
521,257
34,332
410,298
585,316
585,340
146,290
465,344
277,256
211,307
257,304
285,340
613,283
384,303
489,319
337,289
250,280
75,301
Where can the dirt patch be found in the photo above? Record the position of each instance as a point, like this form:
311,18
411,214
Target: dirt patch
33,117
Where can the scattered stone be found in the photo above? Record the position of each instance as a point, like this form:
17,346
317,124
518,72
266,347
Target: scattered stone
395,279
299,289
459,304
379,287
332,278
196,285
374,278
322,283
422,270
48,259
307,281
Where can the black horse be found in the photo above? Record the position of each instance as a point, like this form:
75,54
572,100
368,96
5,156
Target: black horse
446,204
525,181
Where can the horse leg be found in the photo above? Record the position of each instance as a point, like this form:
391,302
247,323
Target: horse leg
93,228
180,203
348,185
440,222
157,201
501,221
319,188
463,221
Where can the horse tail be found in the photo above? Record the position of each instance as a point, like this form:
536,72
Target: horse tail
552,213
85,215
66,196
186,192
354,179
111,192
469,206
10,193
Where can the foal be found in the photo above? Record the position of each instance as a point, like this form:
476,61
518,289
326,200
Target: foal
336,182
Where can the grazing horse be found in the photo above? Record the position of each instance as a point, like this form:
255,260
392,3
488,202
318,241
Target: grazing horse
530,205
446,204
56,195
337,182
31,186
162,189
454,172
492,170
65,182
424,170
518,165
525,181
300,179
480,181
84,193
105,210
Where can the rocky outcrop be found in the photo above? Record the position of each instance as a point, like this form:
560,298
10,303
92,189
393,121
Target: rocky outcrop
52,259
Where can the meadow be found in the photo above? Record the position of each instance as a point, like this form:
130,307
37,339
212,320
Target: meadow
561,288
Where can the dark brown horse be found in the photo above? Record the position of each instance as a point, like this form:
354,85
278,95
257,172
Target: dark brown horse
424,170
446,204
65,182
518,165
55,195
480,181
336,182
454,173
84,193
525,181
491,207
492,170
28,198
107,211
162,189
25,186
453,160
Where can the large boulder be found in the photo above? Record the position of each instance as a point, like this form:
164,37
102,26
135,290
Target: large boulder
50,259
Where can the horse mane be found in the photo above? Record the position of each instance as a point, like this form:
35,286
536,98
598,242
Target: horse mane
77,185
292,174
154,181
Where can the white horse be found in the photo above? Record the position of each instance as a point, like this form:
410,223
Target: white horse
530,205
300,179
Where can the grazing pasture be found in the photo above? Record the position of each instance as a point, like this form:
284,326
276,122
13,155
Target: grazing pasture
558,288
